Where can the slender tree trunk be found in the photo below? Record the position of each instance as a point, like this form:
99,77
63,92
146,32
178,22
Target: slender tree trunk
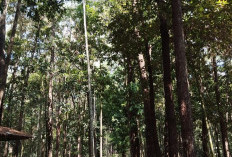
79,146
132,111
217,142
223,127
50,107
169,105
152,95
39,143
166,148
150,121
204,137
58,130
101,132
140,134
182,81
5,61
65,139
3,73
91,109
206,134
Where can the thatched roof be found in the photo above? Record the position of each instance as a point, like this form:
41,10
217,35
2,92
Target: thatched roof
7,134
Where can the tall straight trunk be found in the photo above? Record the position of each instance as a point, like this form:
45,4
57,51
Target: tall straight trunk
152,94
166,149
5,60
50,107
223,127
65,138
101,132
39,128
182,81
149,113
91,108
140,132
58,130
4,4
167,80
206,134
79,146
152,144
132,112
217,142
204,137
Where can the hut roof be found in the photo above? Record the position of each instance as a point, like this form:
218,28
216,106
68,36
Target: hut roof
7,134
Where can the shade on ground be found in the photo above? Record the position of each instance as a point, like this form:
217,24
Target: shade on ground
7,134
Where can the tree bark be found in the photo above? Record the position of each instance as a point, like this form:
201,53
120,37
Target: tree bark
65,138
152,94
91,107
101,131
223,127
204,137
169,105
79,146
149,113
58,112
3,73
182,81
50,107
5,60
132,111
217,142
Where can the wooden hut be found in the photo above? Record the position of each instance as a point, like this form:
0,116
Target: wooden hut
7,134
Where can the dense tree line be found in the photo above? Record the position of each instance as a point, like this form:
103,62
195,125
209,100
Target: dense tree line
116,78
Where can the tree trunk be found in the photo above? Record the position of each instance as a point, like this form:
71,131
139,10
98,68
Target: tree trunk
169,105
79,146
152,95
39,128
206,134
58,130
182,81
223,127
91,108
101,132
150,121
132,112
50,107
217,142
5,61
65,138
166,148
204,137
3,73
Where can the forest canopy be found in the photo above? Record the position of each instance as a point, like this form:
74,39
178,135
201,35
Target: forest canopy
116,78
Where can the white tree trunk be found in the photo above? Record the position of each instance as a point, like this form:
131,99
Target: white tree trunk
91,111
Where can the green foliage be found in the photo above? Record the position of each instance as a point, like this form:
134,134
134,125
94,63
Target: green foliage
112,40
